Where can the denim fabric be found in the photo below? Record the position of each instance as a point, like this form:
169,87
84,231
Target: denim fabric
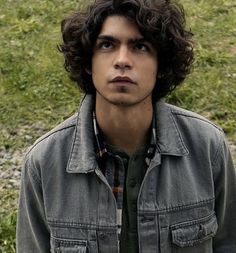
186,203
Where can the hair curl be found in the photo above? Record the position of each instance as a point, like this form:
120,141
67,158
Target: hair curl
162,22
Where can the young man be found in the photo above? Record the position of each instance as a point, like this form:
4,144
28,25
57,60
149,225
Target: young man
129,173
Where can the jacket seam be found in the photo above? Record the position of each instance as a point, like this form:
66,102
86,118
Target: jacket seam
193,222
179,207
216,156
198,118
32,174
179,135
73,145
62,224
47,136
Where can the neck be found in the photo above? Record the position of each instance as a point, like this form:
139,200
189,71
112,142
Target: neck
125,127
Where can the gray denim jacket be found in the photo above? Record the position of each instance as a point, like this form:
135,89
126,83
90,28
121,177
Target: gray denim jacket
186,204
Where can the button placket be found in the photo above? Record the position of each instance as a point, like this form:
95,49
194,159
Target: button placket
132,182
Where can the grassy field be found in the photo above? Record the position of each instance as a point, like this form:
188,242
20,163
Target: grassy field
36,94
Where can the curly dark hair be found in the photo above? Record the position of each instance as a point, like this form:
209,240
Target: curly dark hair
161,22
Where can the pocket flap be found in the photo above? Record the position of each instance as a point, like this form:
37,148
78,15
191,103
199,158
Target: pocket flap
60,245
192,233
74,249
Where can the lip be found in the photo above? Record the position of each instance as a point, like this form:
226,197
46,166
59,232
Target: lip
122,79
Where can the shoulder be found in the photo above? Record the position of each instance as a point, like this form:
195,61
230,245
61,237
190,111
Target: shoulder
199,135
54,141
194,122
203,138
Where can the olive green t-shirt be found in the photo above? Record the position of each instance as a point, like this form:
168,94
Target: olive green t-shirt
135,169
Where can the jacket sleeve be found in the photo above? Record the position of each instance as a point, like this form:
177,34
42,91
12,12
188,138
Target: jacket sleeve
225,203
32,233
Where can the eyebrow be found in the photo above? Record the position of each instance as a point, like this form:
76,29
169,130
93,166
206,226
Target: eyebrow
113,39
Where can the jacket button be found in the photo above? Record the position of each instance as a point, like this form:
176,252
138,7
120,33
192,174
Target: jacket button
201,232
145,219
132,183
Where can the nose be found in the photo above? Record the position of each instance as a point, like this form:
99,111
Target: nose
123,59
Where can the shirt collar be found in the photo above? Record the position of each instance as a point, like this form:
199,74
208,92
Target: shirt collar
101,145
83,158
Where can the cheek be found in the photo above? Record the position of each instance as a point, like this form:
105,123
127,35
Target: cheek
150,64
95,69
98,74
94,64
152,75
150,71
98,67
155,69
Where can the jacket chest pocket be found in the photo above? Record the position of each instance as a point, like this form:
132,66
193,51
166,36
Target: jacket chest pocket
71,239
68,246
195,236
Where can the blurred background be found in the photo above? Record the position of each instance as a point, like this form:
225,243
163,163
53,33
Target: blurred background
36,93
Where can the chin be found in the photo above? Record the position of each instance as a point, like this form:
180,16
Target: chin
124,102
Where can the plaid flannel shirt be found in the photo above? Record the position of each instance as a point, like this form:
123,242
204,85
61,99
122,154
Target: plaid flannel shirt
114,175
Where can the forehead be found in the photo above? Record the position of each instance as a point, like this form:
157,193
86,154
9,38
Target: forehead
120,26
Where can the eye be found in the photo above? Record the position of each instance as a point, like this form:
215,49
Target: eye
105,45
141,47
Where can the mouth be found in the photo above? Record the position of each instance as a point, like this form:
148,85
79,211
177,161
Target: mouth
122,80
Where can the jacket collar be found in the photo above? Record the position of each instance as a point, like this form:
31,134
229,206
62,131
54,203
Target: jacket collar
83,157
83,154
169,138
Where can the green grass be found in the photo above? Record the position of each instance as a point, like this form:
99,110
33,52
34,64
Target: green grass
36,93
8,221
211,88
34,86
